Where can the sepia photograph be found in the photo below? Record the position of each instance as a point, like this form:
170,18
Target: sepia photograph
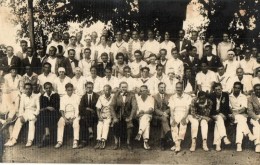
130,81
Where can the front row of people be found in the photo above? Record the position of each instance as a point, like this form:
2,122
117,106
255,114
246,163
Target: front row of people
117,111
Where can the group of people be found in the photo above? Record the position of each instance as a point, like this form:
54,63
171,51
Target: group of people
109,85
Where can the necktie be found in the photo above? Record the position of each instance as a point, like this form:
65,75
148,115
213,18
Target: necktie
89,100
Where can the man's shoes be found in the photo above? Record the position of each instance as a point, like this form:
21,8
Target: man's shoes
193,145
75,144
251,137
218,148
11,142
102,144
178,146
58,145
29,143
204,145
45,141
168,137
97,146
257,148
239,147
83,144
173,148
138,137
226,141
129,147
91,136
162,144
146,145
116,146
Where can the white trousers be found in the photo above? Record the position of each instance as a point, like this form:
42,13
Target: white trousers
256,130
18,125
179,131
195,127
103,129
61,125
242,127
144,126
219,130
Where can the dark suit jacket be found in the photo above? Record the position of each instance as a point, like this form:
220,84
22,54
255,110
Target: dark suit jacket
253,107
159,106
68,68
123,110
35,64
101,69
224,104
16,61
194,65
84,104
213,64
186,43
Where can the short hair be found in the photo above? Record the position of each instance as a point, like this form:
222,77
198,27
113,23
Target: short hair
158,65
257,70
71,50
174,49
107,86
54,49
201,93
23,41
104,54
143,68
139,52
179,83
87,49
47,63
239,68
238,83
190,48
60,48
126,67
28,84
161,83
89,83
208,46
123,82
10,47
216,85
119,54
152,55
68,85
47,83
163,50
256,85
93,67
144,86
108,68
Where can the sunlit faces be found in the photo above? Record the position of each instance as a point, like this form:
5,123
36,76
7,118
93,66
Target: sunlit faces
218,90
221,70
240,72
48,88
162,88
108,73
93,71
28,89
71,54
175,53
107,90
73,40
225,37
144,91
9,51
167,36
171,75
127,72
104,57
69,90
52,51
87,53
13,72
123,86
194,35
89,88
150,34
46,68
135,35
257,90
204,67
118,36
231,54
179,88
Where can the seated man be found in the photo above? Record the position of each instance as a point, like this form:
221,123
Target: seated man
162,112
49,115
238,105
200,115
179,104
254,113
220,112
104,116
145,108
28,111
69,108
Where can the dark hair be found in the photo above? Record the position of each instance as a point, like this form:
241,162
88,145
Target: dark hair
158,65
119,54
28,84
104,54
60,48
89,83
92,68
73,50
47,83
216,85
256,85
208,46
46,63
139,52
23,41
161,84
163,50
126,67
145,86
174,49
54,49
68,85
238,83
107,86
179,83
109,68
123,82
87,49
143,68
201,93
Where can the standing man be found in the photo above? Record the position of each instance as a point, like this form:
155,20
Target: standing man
179,104
28,111
212,60
254,113
182,44
49,115
69,109
31,60
71,63
162,112
196,42
145,109
224,46
220,112
238,105
10,60
88,113
123,107
175,63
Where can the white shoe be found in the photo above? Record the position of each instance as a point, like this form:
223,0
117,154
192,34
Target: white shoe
251,137
29,143
10,142
226,141
205,146
75,144
218,148
173,148
257,148
239,147
58,145
178,146
193,145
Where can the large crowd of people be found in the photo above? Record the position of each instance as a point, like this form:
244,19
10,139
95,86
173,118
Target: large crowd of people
108,83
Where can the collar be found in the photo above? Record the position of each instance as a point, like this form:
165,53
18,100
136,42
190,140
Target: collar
180,96
46,95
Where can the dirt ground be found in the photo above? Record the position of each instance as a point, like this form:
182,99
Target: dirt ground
228,155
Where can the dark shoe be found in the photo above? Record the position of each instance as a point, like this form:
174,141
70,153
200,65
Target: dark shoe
168,137
102,144
45,141
162,144
91,136
83,144
116,146
129,147
97,146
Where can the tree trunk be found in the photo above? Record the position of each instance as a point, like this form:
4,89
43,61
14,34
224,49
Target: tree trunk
31,26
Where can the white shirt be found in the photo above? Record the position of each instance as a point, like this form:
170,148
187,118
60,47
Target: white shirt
144,81
237,102
97,83
152,68
70,105
133,46
255,80
53,62
29,105
214,48
223,49
180,106
79,85
223,80
144,105
12,84
101,49
154,81
170,85
152,47
168,46
246,81
9,59
113,82
118,46
248,66
85,66
49,78
60,85
176,65
199,45
132,82
135,67
231,67
103,101
93,50
206,80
